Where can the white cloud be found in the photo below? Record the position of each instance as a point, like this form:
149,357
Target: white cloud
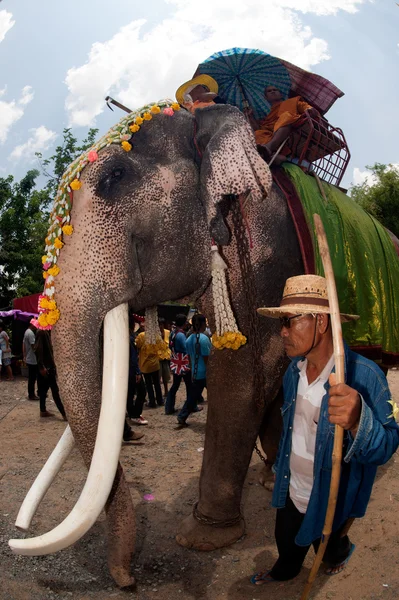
27,95
138,67
40,140
360,177
12,111
6,23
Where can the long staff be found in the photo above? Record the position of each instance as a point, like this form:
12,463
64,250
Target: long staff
339,358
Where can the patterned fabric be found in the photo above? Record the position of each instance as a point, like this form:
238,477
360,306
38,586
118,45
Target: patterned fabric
313,88
365,262
179,361
243,73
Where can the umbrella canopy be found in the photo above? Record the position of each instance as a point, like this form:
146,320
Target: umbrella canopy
243,73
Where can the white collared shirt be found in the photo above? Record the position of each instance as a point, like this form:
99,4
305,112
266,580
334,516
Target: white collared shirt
306,418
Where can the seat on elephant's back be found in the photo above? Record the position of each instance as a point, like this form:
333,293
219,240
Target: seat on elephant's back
315,145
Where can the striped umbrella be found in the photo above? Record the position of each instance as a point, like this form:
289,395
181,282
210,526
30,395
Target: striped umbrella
243,73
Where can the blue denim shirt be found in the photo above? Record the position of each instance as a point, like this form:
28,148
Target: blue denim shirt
377,438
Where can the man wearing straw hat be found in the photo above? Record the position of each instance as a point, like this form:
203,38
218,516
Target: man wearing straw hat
312,406
198,93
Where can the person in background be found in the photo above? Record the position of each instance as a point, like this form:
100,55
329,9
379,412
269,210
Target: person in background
179,363
136,384
6,352
149,367
29,356
164,357
199,348
47,373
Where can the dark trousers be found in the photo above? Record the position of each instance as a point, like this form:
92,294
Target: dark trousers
171,397
291,556
152,383
32,377
190,405
46,383
135,407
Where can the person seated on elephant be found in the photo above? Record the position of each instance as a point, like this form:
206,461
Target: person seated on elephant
179,363
313,403
271,131
149,367
199,92
199,348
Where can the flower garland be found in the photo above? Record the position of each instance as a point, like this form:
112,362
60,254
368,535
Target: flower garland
227,334
60,217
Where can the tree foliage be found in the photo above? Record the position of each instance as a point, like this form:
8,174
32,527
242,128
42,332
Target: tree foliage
23,225
54,167
380,196
24,212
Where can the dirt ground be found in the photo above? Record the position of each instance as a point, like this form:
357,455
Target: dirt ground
167,465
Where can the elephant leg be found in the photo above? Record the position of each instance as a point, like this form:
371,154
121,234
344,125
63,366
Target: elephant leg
121,531
232,427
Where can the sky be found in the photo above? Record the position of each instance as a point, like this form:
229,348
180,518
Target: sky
59,60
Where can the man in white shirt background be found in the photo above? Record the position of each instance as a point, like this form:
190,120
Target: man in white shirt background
30,358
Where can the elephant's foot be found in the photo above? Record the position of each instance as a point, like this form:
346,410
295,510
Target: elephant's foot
122,576
193,534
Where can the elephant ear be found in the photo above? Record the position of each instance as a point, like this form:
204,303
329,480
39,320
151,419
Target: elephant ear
230,163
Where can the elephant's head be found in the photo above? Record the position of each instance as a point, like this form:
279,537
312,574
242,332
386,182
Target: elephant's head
142,225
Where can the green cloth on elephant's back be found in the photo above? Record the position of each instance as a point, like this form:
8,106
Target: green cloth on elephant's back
364,259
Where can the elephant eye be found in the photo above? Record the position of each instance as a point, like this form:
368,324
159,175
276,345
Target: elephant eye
117,173
110,179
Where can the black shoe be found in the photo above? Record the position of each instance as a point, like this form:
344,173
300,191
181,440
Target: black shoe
162,403
171,412
152,405
182,422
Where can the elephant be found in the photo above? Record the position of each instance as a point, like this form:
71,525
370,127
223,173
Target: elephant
143,222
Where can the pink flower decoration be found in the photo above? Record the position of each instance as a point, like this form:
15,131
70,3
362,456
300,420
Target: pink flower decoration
92,156
149,497
47,328
168,111
46,266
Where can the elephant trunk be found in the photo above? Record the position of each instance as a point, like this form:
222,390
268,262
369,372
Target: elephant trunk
104,461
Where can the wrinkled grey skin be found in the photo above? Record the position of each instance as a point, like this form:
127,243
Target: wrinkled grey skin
141,234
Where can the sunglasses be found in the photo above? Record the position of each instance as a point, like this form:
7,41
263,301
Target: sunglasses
286,321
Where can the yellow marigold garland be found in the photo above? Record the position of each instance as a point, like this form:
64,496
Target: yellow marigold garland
60,216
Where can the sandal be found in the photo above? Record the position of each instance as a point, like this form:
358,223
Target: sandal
261,578
341,566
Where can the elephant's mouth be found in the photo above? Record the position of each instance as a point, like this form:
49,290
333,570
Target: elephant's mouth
105,456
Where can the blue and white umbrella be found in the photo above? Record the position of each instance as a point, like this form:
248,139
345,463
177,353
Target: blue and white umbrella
242,75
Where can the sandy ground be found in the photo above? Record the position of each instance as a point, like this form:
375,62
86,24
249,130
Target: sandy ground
167,465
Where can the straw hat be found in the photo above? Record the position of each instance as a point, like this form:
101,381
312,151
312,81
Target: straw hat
304,294
206,80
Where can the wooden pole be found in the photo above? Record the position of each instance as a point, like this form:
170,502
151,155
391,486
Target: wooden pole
339,357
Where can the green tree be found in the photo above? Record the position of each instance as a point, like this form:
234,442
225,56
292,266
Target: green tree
24,213
381,198
23,226
54,167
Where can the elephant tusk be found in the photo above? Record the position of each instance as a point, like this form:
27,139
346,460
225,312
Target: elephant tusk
107,447
44,480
